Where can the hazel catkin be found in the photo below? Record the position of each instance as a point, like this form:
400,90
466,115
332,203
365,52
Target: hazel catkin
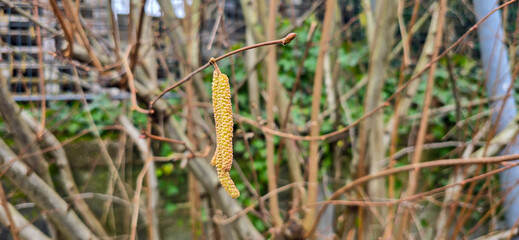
228,184
215,161
224,121
223,155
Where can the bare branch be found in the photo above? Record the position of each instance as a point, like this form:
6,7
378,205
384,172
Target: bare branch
44,196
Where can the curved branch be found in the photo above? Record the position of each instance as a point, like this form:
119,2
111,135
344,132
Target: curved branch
26,230
63,23
284,41
25,139
414,166
42,195
49,141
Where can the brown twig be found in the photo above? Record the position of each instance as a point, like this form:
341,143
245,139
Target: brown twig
417,154
492,208
131,84
70,61
406,59
65,26
216,25
284,41
11,4
272,79
396,121
455,93
164,139
231,219
436,163
182,156
12,224
115,31
253,190
410,167
313,158
81,32
135,51
216,68
299,73
138,189
40,71
310,138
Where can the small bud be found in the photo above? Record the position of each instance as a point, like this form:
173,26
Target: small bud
289,38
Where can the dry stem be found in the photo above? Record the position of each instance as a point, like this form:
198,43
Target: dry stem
284,41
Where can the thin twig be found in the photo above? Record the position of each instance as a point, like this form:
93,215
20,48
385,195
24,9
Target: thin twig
65,26
40,71
299,73
135,52
396,121
131,84
417,154
410,167
12,224
284,41
114,176
216,25
26,14
164,139
313,158
309,138
81,32
115,31
182,156
416,196
406,168
138,188
455,93
231,219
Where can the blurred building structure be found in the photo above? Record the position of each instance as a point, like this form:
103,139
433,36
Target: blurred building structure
19,50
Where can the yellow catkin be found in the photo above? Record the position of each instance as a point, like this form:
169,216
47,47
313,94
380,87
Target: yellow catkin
223,155
228,184
224,122
215,161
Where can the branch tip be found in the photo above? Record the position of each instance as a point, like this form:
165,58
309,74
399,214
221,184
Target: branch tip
289,38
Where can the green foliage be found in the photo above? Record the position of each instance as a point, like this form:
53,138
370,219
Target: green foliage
67,119
172,186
